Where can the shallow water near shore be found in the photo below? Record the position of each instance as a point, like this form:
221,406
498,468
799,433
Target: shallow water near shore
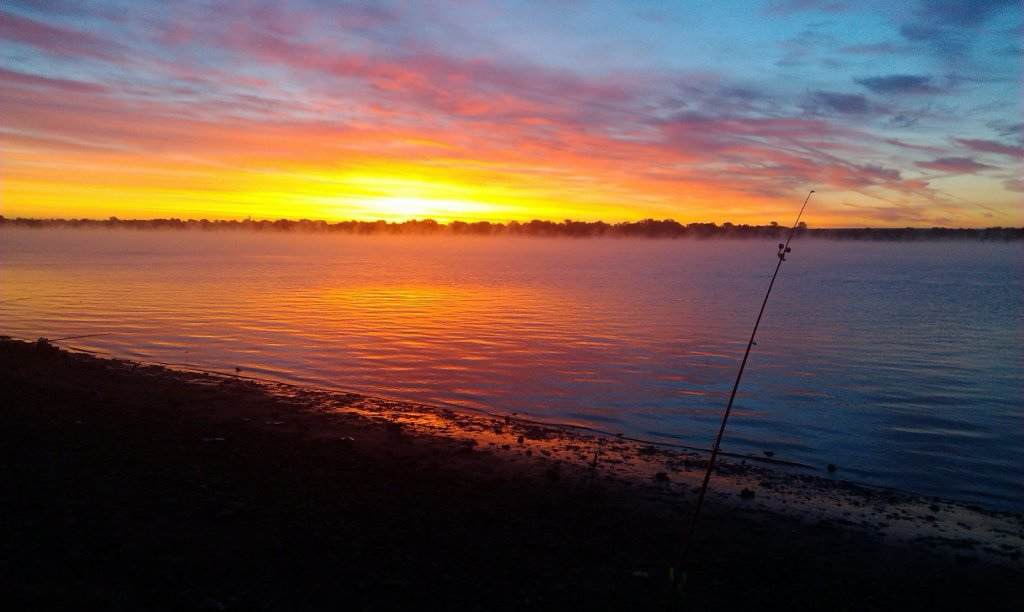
897,362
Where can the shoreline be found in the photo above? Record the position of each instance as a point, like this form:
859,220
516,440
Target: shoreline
642,229
139,486
986,500
675,453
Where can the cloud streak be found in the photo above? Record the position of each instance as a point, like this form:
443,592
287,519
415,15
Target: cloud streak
899,84
56,40
989,146
955,165
293,97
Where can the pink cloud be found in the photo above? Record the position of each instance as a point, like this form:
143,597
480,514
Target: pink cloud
955,165
426,81
55,40
989,146
299,100
30,80
916,147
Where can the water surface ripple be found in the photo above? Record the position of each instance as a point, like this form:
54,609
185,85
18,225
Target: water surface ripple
898,362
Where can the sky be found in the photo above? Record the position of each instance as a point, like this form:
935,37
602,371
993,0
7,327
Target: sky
897,114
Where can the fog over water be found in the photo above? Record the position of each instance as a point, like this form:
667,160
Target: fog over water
899,362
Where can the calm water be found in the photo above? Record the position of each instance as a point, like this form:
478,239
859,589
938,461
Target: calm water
900,363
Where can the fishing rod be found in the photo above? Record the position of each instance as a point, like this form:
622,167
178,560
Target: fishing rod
677,573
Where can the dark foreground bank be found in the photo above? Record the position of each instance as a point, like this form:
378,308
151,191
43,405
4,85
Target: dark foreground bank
130,487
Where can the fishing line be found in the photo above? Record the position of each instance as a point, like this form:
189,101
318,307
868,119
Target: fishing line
677,573
83,336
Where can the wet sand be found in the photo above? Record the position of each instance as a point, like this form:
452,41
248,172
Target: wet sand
130,486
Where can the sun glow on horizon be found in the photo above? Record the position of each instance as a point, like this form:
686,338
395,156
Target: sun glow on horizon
407,208
361,111
401,196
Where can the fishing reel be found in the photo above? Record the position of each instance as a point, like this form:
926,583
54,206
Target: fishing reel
783,249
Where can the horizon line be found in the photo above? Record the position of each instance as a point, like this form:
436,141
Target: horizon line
512,223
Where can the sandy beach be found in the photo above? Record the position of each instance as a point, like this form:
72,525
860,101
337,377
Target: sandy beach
130,486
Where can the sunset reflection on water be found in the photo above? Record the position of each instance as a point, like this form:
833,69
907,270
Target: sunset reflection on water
854,362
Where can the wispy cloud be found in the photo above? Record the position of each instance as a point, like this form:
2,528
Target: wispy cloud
784,7
955,165
916,147
899,84
964,13
319,90
34,81
879,48
851,104
1010,130
991,146
56,40
954,31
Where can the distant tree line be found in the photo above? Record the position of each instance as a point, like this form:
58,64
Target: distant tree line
647,228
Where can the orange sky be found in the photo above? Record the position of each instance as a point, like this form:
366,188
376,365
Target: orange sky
381,111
